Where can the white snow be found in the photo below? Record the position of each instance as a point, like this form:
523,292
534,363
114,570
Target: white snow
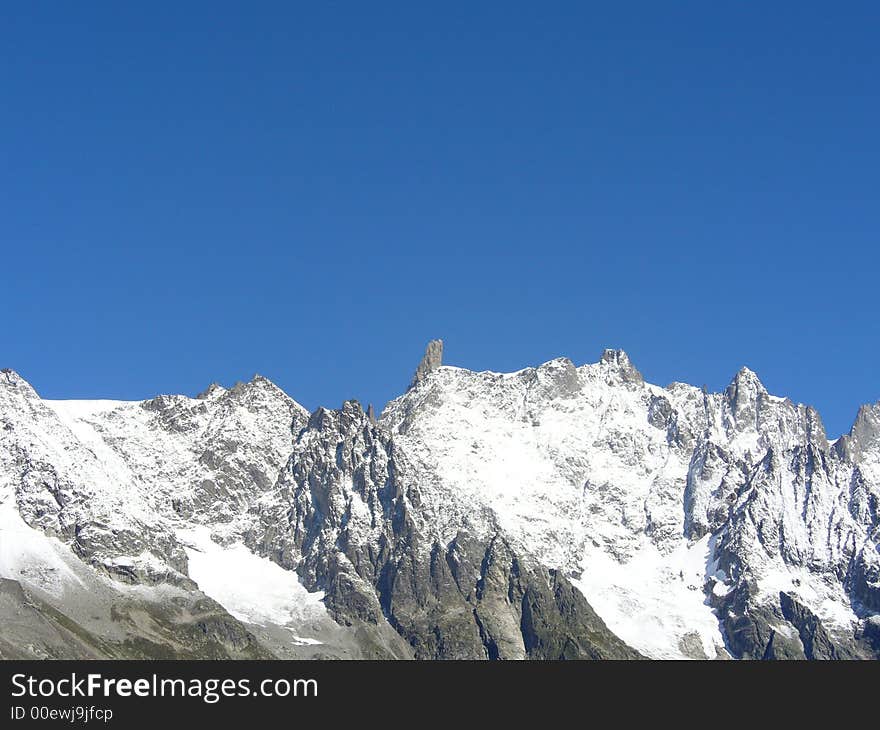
652,600
579,469
827,601
305,641
251,588
30,556
73,410
575,465
575,479
79,416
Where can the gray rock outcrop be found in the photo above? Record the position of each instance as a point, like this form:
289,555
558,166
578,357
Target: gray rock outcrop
431,360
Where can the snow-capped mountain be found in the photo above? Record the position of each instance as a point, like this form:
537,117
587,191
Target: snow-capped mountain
557,511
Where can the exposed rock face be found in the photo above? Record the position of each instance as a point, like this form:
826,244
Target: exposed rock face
431,360
554,512
618,364
672,507
356,529
117,485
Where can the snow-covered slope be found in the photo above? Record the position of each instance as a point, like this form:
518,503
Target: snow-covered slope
695,524
148,494
659,502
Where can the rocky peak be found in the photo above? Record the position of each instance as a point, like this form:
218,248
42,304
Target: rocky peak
212,390
618,362
815,429
865,432
255,383
12,380
744,390
747,379
558,377
352,413
260,393
350,416
320,418
163,402
431,360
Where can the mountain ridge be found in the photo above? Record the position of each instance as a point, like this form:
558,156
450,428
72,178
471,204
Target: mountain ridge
678,522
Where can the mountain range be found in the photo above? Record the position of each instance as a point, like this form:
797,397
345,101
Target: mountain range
556,512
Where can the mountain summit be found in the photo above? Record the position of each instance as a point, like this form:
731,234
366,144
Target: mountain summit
431,360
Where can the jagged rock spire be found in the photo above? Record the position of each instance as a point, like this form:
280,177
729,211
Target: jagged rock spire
210,390
864,434
432,359
619,362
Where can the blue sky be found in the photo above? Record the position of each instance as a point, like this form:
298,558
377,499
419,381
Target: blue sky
193,192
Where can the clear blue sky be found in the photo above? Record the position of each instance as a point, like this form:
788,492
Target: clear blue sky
199,191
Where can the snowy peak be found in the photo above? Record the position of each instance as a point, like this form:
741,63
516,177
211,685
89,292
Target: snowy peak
863,438
592,467
617,362
212,391
350,415
257,396
260,393
746,395
749,411
118,476
745,386
554,379
13,383
695,524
